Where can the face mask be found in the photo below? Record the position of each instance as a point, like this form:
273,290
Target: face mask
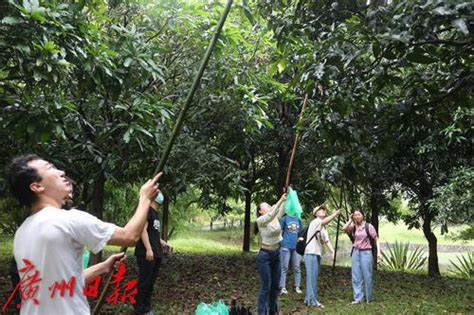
160,198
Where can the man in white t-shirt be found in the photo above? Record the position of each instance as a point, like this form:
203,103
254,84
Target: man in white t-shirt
48,245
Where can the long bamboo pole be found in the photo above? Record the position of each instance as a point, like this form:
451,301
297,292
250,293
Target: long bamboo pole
295,144
177,126
197,80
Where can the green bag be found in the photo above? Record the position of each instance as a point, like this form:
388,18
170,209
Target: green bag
85,258
292,204
218,308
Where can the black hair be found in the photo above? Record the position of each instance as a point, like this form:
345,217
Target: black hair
358,210
20,176
257,212
68,204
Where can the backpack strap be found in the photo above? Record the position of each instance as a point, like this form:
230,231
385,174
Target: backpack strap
368,233
371,239
315,234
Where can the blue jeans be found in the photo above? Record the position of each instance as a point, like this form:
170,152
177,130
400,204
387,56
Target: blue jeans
362,268
286,255
312,263
268,262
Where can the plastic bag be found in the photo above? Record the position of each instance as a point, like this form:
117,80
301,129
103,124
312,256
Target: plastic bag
218,308
85,258
292,204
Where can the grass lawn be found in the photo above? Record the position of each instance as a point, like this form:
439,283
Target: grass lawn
390,233
185,280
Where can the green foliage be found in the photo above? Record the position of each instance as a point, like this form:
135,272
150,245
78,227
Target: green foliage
398,257
11,215
184,210
455,199
120,202
96,86
389,84
464,266
467,234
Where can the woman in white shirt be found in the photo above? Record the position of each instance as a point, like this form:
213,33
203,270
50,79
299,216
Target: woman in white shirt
268,258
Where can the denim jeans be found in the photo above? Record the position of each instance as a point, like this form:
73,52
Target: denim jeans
268,262
312,263
362,268
286,255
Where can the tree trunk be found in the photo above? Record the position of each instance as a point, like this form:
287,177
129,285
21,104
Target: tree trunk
165,223
248,206
211,224
424,195
374,208
433,266
97,209
84,196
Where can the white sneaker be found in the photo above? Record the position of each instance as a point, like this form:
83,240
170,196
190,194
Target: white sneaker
283,291
298,290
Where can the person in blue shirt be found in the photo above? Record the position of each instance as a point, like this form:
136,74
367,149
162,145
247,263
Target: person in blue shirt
291,226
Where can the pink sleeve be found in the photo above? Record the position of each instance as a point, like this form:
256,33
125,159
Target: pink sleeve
372,231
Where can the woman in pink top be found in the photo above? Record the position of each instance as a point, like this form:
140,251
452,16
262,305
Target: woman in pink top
362,259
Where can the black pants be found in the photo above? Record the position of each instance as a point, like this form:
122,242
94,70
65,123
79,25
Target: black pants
147,273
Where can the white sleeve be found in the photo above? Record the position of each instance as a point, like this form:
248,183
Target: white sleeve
324,235
268,217
89,231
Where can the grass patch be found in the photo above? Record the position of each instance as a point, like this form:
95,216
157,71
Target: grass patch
212,277
202,245
220,241
390,233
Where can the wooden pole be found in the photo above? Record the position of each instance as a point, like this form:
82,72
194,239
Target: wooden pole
295,144
101,299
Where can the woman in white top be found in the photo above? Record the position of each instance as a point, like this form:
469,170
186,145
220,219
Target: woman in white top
312,253
268,258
